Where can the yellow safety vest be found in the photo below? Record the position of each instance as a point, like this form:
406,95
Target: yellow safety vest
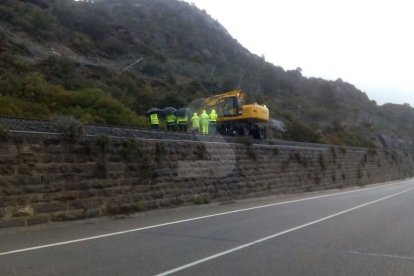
182,120
213,117
154,119
170,119
196,121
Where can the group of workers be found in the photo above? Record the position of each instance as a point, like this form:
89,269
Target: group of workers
204,124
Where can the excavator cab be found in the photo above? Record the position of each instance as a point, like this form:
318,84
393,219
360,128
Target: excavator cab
230,106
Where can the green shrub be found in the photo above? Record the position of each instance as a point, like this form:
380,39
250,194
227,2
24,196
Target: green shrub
69,127
201,199
359,174
128,150
4,133
300,159
160,149
372,151
285,165
251,152
102,143
333,152
201,151
300,131
322,162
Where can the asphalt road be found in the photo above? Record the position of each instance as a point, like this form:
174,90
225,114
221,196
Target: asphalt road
368,231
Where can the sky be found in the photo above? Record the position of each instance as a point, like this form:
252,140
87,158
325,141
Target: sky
367,43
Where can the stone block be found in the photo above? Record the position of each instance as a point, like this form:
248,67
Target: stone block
114,158
82,158
71,186
25,211
49,207
16,222
38,219
7,170
67,215
9,159
55,150
57,158
30,189
91,213
65,195
69,158
7,148
85,204
61,168
12,190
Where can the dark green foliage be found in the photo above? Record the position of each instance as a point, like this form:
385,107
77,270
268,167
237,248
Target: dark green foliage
317,179
337,134
101,168
147,169
285,165
201,199
298,130
297,156
359,174
4,133
201,151
322,162
69,127
251,152
129,149
333,152
160,149
101,143
395,157
94,40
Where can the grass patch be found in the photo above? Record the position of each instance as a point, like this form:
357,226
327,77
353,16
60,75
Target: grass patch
251,152
129,149
322,162
359,174
333,153
101,143
201,199
4,133
69,127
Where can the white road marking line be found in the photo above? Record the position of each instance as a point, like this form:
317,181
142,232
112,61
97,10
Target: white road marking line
277,234
382,255
189,219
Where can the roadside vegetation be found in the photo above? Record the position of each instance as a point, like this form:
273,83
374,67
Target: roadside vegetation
67,58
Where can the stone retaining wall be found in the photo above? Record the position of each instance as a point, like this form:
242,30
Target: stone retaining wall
43,178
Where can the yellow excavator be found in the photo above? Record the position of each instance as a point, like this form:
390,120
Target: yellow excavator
235,117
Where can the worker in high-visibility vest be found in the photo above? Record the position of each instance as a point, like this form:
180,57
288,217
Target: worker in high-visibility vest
182,122
204,119
170,119
155,122
212,121
195,123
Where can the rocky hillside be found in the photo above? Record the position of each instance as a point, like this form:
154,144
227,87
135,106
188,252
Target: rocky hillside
70,57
